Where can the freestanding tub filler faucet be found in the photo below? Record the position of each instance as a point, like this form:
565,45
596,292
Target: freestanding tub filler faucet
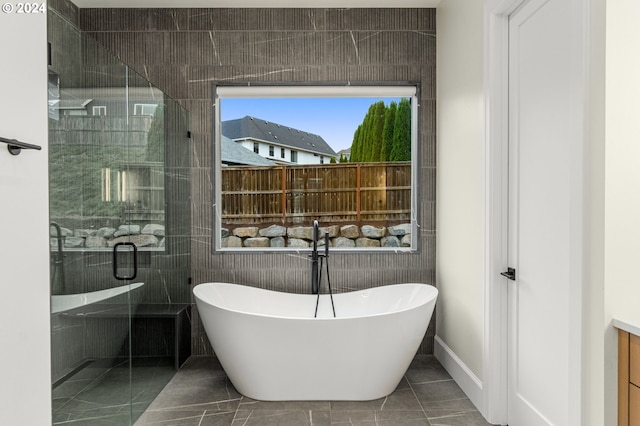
316,268
315,271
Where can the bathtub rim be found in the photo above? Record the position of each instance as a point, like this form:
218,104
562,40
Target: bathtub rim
431,299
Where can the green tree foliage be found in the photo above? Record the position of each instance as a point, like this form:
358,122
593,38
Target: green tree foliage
401,142
376,134
155,137
355,145
385,133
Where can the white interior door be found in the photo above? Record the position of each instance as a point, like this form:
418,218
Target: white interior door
541,160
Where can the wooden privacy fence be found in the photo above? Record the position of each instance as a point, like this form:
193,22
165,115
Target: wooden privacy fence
329,192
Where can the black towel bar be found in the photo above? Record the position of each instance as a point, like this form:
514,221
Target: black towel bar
15,146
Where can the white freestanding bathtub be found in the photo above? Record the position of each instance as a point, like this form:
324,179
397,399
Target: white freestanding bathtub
273,349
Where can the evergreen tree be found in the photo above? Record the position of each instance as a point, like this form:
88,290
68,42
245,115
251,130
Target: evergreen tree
384,134
387,132
155,137
401,147
355,146
368,127
377,128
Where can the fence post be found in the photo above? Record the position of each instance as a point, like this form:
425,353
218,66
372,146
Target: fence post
358,192
283,183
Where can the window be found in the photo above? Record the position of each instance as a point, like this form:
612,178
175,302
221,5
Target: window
256,147
271,150
144,109
368,203
99,110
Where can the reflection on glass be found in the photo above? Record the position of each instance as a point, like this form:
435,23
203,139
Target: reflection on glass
118,172
107,179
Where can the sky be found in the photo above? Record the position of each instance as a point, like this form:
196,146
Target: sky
335,119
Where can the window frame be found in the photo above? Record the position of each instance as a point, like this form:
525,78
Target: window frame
224,89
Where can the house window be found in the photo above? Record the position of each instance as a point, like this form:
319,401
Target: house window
100,110
256,147
321,159
294,156
281,152
144,109
271,150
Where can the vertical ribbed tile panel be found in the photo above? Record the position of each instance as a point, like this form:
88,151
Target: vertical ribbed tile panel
182,51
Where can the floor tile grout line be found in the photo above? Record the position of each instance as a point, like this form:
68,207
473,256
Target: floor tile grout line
179,407
458,414
418,399
433,381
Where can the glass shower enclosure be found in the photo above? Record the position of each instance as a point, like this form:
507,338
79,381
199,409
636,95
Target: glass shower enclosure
120,221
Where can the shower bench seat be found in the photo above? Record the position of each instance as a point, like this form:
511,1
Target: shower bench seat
150,324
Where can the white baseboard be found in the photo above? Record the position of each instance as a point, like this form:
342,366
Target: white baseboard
461,374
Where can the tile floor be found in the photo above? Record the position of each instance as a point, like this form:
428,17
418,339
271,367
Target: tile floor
200,394
101,394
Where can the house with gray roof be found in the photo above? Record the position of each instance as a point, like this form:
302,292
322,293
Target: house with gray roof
234,154
278,143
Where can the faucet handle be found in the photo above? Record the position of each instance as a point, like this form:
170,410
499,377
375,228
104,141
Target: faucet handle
326,244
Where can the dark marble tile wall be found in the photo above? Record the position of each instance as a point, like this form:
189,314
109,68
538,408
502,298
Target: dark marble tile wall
182,51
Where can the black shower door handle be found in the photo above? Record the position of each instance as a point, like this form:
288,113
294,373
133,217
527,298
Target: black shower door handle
115,262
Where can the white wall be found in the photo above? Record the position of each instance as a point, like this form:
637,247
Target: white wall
593,368
622,182
460,180
460,189
24,257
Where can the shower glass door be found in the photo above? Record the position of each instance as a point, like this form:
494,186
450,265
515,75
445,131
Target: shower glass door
119,232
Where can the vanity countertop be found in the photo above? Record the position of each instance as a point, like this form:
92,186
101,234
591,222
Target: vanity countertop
628,323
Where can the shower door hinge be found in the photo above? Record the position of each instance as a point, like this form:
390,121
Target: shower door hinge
511,274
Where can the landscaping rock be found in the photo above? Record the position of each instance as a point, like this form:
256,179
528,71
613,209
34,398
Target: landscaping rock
74,242
373,231
256,242
153,229
297,242
344,242
139,240
83,233
127,230
367,242
95,241
333,231
300,232
391,241
105,232
277,242
399,230
231,241
350,231
249,231
273,231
